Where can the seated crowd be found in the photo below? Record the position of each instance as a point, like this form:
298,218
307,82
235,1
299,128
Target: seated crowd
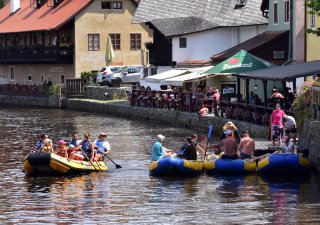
77,149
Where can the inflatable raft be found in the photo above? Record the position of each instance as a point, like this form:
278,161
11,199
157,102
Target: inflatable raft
52,164
229,166
172,166
284,163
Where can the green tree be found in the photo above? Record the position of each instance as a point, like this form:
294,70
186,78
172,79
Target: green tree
314,6
2,3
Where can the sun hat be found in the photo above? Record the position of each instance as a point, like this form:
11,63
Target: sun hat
62,142
102,134
228,132
161,137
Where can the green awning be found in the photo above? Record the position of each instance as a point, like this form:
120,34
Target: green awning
240,62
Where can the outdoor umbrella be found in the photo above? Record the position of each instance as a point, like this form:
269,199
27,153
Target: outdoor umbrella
240,62
109,52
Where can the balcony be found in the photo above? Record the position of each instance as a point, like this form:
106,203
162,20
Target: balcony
36,55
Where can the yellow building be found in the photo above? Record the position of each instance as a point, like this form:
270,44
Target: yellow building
312,41
44,40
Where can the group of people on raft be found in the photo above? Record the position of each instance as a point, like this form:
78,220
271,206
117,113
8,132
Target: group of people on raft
76,149
231,144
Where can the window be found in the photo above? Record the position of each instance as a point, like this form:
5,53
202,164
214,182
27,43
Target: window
94,42
115,39
275,13
182,42
42,78
135,41
12,72
312,19
62,79
278,54
111,5
240,3
29,78
286,11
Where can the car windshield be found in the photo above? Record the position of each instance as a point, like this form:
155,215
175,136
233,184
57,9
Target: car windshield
115,69
103,69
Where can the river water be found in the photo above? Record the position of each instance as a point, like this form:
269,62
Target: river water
129,195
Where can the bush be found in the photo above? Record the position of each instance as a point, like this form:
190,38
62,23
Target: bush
89,77
301,104
54,89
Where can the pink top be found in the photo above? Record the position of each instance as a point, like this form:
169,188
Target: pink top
277,115
217,96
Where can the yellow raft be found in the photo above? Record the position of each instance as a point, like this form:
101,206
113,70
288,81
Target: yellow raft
52,164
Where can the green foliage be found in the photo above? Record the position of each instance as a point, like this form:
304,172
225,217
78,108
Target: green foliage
314,6
89,77
301,104
3,3
54,89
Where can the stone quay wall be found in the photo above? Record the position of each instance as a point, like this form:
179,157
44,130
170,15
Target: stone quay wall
183,119
29,101
309,138
105,93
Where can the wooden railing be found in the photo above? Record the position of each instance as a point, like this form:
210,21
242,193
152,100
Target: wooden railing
315,103
75,87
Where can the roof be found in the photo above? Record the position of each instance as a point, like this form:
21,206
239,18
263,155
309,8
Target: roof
45,18
250,45
185,17
242,61
285,73
165,75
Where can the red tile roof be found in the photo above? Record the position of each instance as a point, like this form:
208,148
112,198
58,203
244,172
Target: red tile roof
45,18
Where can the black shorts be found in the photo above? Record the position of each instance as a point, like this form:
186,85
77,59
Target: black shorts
276,131
229,157
244,156
291,131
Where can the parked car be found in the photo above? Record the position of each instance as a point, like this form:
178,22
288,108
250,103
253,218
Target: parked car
129,75
107,70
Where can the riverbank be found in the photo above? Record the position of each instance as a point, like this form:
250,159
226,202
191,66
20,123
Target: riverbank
122,108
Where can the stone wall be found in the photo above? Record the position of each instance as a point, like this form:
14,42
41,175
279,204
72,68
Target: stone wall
309,138
184,119
105,93
27,101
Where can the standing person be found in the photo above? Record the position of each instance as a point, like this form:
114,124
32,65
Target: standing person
159,152
40,143
103,146
190,152
235,134
276,94
62,149
229,146
251,97
246,146
216,100
290,127
198,95
276,121
88,147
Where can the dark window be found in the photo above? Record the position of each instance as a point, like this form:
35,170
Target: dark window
135,41
93,42
62,79
111,5
29,78
12,72
240,3
275,13
286,11
182,42
115,39
312,18
105,5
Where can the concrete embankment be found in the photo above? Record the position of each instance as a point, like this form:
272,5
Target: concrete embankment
309,138
184,119
30,101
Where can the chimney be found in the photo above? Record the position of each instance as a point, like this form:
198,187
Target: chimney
15,5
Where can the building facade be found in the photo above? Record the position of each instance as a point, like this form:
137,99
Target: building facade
64,38
312,41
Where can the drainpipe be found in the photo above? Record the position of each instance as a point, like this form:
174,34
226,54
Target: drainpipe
290,52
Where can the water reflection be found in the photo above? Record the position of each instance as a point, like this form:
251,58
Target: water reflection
129,195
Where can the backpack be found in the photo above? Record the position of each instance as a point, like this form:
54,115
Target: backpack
181,151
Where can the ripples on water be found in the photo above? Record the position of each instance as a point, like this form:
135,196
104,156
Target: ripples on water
129,195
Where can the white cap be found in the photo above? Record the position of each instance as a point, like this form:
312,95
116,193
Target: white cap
161,137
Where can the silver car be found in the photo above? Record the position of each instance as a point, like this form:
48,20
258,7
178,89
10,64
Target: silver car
129,75
106,71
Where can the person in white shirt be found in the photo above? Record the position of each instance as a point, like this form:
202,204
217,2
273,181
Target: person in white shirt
287,146
290,127
102,146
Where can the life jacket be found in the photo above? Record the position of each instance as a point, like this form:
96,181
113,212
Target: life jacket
86,147
181,151
99,144
74,142
47,149
62,152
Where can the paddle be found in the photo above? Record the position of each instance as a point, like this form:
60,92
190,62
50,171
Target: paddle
87,158
209,136
117,166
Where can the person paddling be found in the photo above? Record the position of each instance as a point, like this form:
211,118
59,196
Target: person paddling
103,146
158,151
88,147
40,143
190,152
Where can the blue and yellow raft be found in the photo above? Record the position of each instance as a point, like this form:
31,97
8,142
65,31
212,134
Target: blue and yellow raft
172,166
229,166
284,163
52,164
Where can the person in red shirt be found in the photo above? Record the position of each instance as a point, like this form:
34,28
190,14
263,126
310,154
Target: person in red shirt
276,121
